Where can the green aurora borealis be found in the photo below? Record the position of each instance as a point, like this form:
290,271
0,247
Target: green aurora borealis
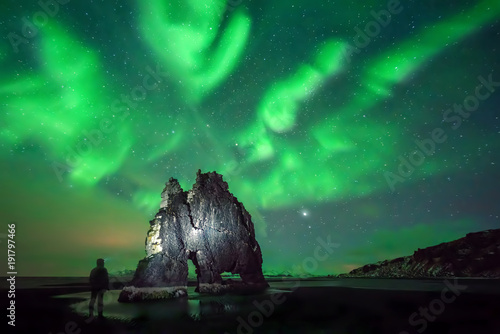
102,102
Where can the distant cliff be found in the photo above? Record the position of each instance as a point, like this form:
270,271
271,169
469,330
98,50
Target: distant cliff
475,255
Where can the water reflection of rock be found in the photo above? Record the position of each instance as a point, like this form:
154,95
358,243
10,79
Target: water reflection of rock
211,307
219,306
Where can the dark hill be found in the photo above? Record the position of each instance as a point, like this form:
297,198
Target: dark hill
475,255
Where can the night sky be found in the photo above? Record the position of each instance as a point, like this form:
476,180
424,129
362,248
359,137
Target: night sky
328,119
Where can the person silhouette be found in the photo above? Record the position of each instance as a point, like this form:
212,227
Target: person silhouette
99,283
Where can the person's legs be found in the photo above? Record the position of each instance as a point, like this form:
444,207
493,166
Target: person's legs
93,295
100,305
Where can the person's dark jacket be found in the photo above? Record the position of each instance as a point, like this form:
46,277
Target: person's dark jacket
99,278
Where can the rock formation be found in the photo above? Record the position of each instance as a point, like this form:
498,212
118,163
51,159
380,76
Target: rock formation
475,255
206,225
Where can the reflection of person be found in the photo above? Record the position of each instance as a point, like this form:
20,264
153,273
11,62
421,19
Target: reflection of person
99,283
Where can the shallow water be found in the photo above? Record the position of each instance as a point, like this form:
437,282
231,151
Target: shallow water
198,306
195,305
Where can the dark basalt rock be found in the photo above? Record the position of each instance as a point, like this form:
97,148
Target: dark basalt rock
475,255
206,225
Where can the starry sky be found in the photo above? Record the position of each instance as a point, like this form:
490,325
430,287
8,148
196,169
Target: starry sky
372,125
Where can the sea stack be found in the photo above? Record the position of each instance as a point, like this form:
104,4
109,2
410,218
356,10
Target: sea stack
206,225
